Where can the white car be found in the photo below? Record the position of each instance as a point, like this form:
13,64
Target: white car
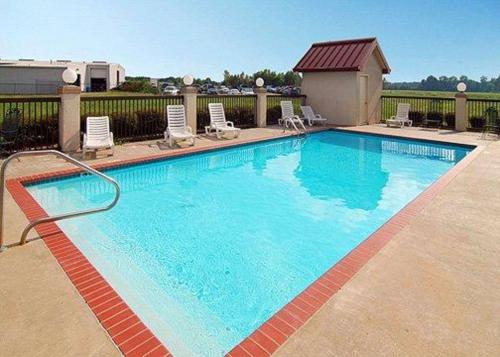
171,90
222,90
246,91
234,91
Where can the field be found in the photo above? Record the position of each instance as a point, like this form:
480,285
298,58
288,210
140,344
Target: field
423,93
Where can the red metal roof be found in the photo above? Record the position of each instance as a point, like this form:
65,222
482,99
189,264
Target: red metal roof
347,55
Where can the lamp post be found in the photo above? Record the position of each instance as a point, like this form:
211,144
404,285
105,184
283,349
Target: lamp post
69,112
188,80
69,76
461,115
261,110
461,87
190,94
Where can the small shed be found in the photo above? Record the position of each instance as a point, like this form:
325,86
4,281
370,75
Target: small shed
343,80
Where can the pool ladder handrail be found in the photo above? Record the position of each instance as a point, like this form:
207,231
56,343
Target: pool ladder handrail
289,120
58,217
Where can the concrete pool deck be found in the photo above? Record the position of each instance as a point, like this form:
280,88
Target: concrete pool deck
432,289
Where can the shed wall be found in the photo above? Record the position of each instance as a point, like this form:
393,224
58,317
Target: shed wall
375,84
334,95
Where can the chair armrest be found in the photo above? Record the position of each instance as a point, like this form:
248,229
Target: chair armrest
111,135
318,116
84,138
230,123
392,117
189,129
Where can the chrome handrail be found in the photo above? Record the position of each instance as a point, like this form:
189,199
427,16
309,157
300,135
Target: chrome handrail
290,121
36,222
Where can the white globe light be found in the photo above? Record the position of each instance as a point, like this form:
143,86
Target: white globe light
69,76
188,79
259,82
461,87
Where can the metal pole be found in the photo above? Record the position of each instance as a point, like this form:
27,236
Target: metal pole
57,217
2,188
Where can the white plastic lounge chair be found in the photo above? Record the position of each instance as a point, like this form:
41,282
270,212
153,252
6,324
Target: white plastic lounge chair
219,123
97,135
177,129
402,116
288,117
310,116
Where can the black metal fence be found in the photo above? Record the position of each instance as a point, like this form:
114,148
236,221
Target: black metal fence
240,109
274,106
424,111
28,123
482,112
132,118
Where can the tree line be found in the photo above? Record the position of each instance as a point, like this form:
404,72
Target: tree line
270,77
444,83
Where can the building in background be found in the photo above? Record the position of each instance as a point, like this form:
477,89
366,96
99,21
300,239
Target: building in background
343,80
27,76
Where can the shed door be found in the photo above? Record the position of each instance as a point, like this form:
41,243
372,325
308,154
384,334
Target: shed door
363,99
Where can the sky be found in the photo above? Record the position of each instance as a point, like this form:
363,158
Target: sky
203,38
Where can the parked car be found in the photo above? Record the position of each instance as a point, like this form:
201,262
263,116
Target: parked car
234,91
222,90
280,90
211,91
204,88
271,89
246,91
295,91
171,90
289,90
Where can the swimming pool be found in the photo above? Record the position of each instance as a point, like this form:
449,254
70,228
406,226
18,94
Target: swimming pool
205,248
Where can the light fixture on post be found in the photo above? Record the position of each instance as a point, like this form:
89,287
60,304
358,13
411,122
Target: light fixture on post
188,80
461,87
259,82
69,76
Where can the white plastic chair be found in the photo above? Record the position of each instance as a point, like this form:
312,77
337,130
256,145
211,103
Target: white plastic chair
177,129
219,123
287,115
287,112
310,116
402,116
97,136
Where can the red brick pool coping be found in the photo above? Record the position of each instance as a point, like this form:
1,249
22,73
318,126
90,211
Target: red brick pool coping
134,338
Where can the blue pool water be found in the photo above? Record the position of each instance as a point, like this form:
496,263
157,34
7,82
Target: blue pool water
207,247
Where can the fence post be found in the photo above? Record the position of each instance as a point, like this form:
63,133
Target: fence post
190,95
461,115
261,109
69,118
